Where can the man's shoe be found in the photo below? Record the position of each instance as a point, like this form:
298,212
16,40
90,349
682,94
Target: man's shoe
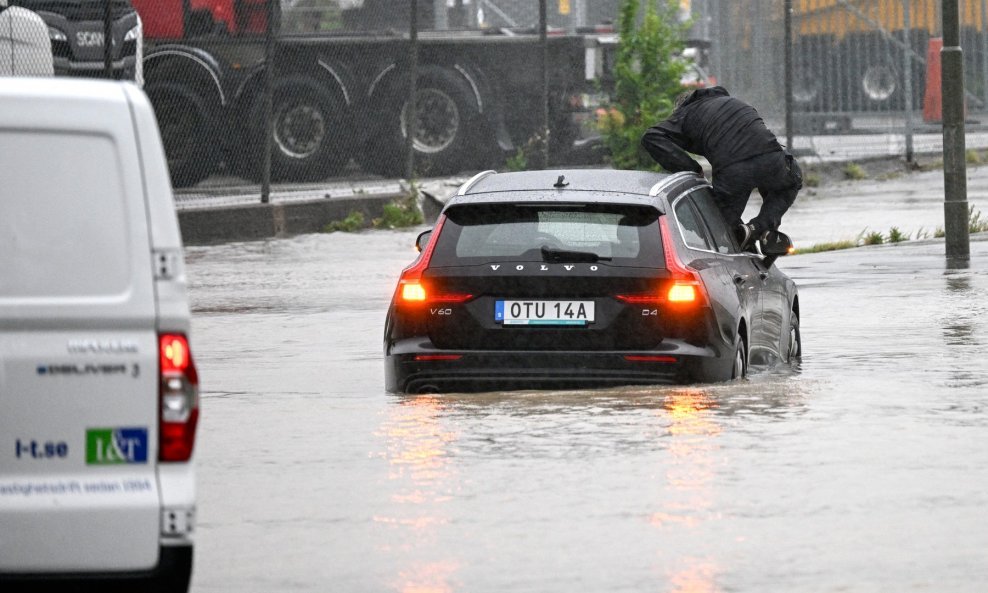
745,234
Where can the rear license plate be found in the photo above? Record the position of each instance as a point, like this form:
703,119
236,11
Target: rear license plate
543,312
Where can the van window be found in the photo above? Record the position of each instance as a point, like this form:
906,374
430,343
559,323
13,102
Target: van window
63,223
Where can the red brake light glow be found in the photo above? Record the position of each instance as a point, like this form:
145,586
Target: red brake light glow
650,358
179,399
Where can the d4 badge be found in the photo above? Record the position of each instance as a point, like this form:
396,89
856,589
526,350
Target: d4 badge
110,446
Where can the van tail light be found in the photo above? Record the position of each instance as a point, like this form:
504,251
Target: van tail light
179,399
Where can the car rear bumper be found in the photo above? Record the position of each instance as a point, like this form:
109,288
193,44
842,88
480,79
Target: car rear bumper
414,366
172,573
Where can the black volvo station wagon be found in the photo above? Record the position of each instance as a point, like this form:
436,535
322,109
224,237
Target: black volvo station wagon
581,278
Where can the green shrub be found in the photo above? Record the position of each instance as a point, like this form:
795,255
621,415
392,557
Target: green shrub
872,238
854,171
400,213
811,179
975,223
897,236
647,75
973,157
351,224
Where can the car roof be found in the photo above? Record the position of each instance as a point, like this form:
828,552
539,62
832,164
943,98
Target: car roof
643,188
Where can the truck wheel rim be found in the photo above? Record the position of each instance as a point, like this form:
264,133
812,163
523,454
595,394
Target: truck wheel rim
879,82
299,131
805,89
437,121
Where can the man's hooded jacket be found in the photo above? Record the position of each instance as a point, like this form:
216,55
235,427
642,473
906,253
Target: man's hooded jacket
711,123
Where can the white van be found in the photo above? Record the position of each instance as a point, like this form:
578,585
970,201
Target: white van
98,392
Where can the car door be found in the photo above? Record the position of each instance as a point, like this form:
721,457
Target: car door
729,283
746,275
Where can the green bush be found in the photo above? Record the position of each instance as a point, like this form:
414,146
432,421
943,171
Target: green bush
854,171
647,76
351,224
872,238
897,236
402,212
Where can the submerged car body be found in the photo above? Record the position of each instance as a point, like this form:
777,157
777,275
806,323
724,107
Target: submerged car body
585,278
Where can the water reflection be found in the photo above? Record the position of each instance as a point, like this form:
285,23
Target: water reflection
688,497
421,477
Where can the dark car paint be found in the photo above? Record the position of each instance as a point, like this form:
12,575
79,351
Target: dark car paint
742,291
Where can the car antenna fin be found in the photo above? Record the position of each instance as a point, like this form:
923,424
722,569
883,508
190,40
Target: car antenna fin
561,182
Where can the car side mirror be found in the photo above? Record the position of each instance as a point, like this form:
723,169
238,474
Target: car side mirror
774,245
422,240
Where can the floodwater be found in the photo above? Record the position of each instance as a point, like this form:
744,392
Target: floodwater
866,469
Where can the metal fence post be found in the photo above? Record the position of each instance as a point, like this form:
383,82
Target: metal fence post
411,112
984,51
108,38
269,54
788,73
954,164
907,78
544,44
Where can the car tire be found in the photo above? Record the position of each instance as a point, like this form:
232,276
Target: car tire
445,139
187,127
739,368
309,130
794,350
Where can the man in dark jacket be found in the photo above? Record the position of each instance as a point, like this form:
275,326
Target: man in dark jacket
744,155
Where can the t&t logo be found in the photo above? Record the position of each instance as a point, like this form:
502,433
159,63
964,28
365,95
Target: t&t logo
110,446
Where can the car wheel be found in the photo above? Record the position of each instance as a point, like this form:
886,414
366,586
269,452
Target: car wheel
446,119
308,132
740,368
795,349
186,125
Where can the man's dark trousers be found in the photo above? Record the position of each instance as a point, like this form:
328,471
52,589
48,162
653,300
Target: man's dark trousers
775,182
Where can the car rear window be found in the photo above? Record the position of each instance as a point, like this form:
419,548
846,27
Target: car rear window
63,230
621,234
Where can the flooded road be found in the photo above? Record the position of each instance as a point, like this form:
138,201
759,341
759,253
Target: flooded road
864,470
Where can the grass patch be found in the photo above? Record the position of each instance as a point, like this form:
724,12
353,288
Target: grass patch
831,246
854,171
973,157
872,238
975,223
897,236
811,179
354,222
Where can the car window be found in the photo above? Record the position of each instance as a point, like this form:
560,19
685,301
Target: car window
710,213
693,231
476,233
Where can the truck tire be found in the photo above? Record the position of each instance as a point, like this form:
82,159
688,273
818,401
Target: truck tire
187,131
310,128
448,121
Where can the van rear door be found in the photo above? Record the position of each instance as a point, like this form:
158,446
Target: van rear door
78,345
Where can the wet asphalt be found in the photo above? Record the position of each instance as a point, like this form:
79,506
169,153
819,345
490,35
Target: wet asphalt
862,469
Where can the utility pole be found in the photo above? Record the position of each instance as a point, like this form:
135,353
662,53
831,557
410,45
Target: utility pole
544,45
955,207
788,74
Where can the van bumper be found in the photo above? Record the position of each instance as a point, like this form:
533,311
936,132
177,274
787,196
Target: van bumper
172,574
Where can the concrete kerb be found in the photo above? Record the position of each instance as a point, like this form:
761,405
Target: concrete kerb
251,222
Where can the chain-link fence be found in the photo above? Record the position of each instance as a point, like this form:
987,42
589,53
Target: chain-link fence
866,74
492,88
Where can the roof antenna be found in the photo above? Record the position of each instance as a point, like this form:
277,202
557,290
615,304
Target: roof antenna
561,182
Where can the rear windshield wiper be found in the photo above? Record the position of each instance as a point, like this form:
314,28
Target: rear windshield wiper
562,255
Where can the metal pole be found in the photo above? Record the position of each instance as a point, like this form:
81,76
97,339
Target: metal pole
907,78
544,44
954,165
411,112
108,38
269,54
984,50
788,68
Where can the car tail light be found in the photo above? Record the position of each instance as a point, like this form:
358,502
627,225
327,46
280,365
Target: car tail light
437,357
179,398
650,358
412,290
686,286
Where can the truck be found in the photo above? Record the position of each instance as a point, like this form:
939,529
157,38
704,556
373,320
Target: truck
76,30
340,96
851,56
